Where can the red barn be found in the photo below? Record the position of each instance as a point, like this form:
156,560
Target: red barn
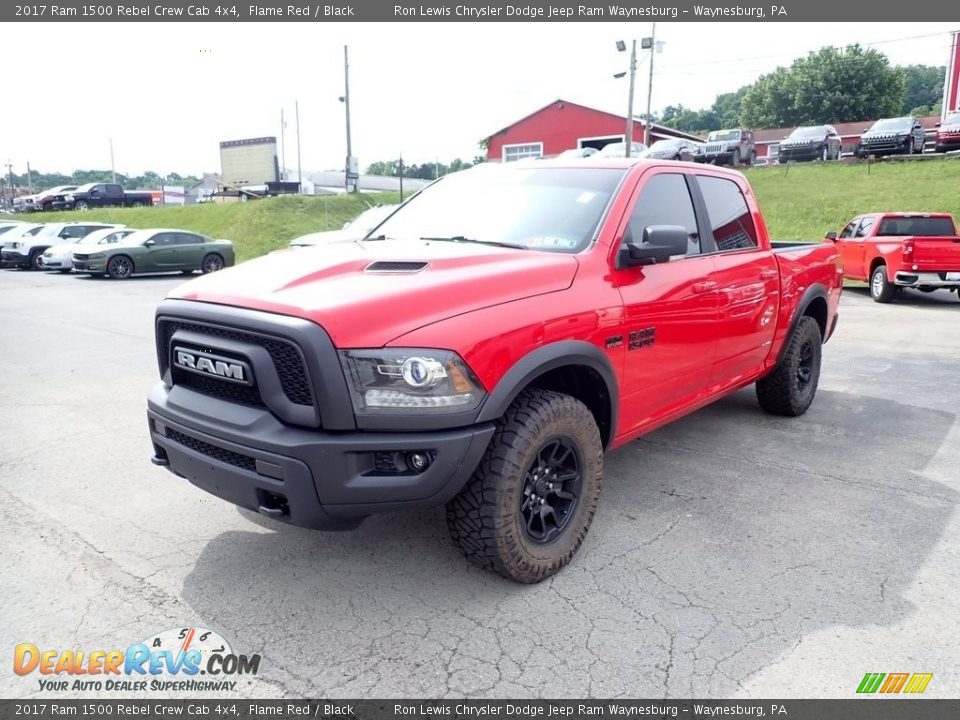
564,125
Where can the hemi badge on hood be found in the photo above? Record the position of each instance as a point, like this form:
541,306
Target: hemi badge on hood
204,363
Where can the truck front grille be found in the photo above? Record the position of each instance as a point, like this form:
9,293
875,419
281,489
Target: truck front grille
217,453
286,357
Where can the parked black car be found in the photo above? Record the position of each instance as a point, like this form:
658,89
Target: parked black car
814,142
728,147
100,195
892,136
672,149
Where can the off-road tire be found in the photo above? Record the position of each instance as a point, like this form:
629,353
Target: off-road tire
881,289
486,519
792,385
735,158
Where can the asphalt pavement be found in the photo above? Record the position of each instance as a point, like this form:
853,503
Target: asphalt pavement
734,554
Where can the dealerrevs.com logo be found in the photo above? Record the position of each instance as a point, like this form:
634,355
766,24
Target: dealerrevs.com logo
191,659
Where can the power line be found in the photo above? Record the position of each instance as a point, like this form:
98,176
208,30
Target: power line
836,47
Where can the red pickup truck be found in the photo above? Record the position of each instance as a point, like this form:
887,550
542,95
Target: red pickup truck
897,250
483,346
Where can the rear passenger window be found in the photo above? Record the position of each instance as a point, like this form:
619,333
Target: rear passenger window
665,200
864,227
730,219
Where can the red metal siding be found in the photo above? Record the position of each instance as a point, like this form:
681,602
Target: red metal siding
559,126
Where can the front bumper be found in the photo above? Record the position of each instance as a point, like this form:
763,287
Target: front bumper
878,147
805,152
906,278
90,266
947,142
724,158
305,477
13,258
55,263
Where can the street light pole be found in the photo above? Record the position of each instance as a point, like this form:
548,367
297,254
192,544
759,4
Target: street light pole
653,51
628,138
296,108
347,176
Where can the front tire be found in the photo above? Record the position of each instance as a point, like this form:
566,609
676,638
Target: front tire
735,158
790,388
530,502
35,261
81,205
120,267
211,263
881,289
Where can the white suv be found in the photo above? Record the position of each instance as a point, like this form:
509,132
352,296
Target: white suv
27,251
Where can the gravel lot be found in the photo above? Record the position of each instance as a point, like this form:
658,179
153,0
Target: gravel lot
734,554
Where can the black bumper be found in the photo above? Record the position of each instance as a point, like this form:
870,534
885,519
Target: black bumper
11,258
306,477
800,154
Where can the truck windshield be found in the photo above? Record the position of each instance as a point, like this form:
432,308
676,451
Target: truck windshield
718,135
553,209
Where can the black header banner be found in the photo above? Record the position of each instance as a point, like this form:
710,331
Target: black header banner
226,11
211,708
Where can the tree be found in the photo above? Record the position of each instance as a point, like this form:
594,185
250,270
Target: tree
924,88
827,86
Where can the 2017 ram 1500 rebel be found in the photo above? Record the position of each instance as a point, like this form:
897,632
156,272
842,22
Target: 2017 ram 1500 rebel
897,250
100,195
483,346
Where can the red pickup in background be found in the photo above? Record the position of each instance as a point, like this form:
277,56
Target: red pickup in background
897,250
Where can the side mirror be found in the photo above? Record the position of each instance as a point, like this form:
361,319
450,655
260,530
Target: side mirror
659,244
149,243
831,235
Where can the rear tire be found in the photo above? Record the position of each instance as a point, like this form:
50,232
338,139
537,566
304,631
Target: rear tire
531,500
881,289
211,263
790,388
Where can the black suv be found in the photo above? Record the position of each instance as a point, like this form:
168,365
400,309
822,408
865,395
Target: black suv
813,142
892,136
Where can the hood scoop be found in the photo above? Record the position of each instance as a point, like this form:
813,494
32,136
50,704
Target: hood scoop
395,266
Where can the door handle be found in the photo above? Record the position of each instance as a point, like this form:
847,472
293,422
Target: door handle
704,286
768,274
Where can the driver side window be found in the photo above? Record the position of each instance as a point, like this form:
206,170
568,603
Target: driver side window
864,227
665,200
850,228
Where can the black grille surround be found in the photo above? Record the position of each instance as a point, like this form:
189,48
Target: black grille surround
286,357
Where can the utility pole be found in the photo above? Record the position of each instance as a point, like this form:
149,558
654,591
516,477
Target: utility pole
113,173
350,171
628,138
283,146
10,173
299,166
653,52
29,181
401,177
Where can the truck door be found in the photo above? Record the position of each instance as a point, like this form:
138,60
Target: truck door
670,308
747,277
858,246
851,249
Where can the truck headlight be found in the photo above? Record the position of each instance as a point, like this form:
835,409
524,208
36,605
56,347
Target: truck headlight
386,380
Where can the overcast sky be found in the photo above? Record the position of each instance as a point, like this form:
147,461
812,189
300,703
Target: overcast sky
168,93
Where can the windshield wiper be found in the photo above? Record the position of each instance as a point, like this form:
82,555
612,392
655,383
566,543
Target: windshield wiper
464,239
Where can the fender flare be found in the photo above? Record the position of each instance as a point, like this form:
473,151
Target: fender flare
812,293
547,358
